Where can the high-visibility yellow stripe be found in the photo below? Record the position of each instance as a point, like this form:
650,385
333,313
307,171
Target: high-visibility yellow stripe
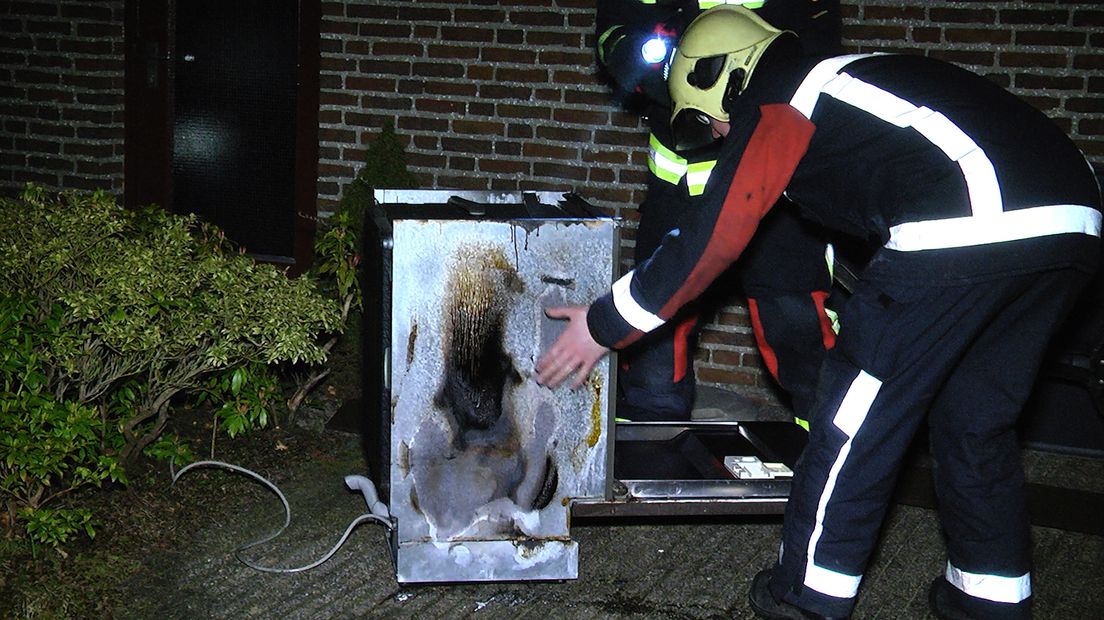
751,4
602,40
706,4
665,163
697,174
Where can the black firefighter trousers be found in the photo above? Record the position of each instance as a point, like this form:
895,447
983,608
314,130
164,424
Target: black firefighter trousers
964,355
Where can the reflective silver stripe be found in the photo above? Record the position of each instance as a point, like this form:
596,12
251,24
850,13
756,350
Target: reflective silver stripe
1006,226
989,222
849,418
991,587
981,178
631,311
808,93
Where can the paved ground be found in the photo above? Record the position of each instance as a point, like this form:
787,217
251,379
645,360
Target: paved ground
628,569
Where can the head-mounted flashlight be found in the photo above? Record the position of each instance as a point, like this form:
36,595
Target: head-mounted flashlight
654,50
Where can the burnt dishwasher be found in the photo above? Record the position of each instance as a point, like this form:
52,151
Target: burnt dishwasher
482,468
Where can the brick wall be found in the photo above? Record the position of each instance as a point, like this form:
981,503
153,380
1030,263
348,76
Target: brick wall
61,94
504,96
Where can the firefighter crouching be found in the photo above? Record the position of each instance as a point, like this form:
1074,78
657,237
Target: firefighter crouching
783,273
988,219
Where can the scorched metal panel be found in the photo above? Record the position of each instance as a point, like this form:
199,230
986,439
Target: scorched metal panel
485,462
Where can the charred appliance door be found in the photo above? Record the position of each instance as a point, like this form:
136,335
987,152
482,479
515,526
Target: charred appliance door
485,463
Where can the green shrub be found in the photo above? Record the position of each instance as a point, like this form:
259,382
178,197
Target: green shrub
152,297
50,447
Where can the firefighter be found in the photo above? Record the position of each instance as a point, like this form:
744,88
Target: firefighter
788,315
988,219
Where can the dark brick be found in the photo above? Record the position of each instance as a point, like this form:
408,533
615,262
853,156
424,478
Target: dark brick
27,146
417,13
388,31
389,67
480,108
1090,127
410,87
437,69
405,49
560,171
537,18
467,33
525,76
480,72
504,166
40,95
508,54
100,47
1065,38
496,91
54,164
1016,17
1019,59
454,52
963,16
564,134
519,131
451,89
508,149
864,32
1032,81
559,57
548,151
106,31
507,36
461,163
921,34
893,13
1091,62
423,124
466,145
1088,18
977,35
584,117
370,83
370,11
619,138
549,95
483,128
26,76
33,9
34,26
336,64
587,97
337,98
480,16
562,38
605,157
1087,105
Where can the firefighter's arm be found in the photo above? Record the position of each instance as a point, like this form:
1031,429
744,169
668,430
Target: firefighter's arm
713,235
574,352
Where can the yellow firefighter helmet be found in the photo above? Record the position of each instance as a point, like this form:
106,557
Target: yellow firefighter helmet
714,60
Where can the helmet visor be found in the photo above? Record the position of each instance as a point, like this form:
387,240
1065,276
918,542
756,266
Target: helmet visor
691,130
706,72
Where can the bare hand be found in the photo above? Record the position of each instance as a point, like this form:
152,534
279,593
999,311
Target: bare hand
575,351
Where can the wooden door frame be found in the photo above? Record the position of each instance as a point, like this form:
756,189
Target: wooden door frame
150,47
